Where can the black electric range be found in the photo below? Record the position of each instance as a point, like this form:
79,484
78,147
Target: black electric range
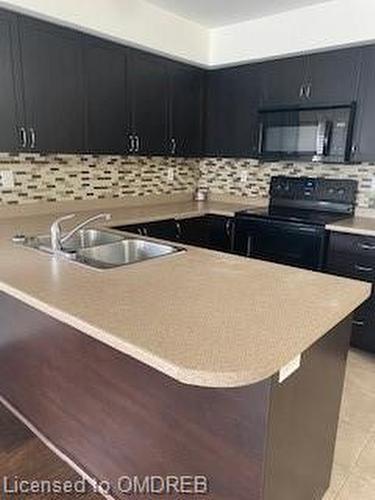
291,230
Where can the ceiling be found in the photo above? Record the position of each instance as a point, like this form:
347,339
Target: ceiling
215,13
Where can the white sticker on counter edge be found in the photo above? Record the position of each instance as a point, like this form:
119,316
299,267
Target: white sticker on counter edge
287,370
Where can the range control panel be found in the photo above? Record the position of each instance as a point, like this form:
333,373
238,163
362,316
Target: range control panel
314,189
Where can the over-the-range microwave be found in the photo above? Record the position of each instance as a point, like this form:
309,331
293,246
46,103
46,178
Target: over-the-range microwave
322,134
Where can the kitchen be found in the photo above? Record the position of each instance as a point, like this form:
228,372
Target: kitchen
187,230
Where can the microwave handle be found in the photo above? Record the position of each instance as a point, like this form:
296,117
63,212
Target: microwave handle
323,137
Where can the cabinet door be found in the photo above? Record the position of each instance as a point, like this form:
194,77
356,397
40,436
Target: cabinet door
186,101
164,229
107,117
148,76
12,138
333,77
364,131
283,81
363,336
232,112
53,87
208,231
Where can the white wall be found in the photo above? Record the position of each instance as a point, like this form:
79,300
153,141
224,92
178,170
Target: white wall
326,25
134,22
138,23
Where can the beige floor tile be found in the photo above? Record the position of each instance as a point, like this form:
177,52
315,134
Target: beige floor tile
361,359
358,404
365,465
350,442
338,478
357,488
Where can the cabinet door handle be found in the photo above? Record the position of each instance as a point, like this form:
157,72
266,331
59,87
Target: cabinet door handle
23,135
302,91
363,269
137,143
131,143
358,323
366,246
308,91
179,230
32,138
173,146
228,228
248,246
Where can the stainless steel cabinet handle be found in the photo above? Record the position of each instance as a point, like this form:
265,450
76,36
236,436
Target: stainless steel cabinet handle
131,143
302,91
363,269
248,246
366,246
260,138
228,227
174,146
308,91
358,323
137,143
23,137
179,230
32,138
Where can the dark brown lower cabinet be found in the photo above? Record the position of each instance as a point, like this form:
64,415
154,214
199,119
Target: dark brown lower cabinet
353,256
112,416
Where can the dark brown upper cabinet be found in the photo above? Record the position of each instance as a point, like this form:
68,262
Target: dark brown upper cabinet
12,131
149,90
364,133
185,110
232,102
283,82
52,73
106,93
333,77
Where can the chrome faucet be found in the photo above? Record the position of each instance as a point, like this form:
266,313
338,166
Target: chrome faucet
57,240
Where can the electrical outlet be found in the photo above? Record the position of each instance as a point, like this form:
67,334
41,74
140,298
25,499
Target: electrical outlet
243,176
170,175
7,179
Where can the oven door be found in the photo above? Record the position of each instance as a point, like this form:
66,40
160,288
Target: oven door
292,243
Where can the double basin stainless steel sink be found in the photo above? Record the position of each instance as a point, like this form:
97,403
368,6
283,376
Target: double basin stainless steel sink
103,249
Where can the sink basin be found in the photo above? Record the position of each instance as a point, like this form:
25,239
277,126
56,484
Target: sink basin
103,249
127,251
86,238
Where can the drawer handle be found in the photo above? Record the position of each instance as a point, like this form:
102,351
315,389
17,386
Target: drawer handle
363,269
366,246
358,323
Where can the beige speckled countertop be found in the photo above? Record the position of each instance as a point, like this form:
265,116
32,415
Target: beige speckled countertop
364,226
203,317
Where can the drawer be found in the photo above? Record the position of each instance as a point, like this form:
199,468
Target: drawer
351,256
358,245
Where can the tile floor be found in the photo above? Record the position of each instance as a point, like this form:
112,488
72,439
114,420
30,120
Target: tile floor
353,476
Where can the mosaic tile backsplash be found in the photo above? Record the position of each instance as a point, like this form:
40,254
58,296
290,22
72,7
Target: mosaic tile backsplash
41,178
250,178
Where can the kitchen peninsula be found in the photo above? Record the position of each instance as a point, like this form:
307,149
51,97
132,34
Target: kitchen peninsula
141,370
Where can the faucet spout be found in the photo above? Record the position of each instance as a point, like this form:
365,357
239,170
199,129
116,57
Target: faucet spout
57,240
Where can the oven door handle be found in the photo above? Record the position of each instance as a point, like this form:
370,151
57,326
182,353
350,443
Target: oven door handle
255,224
